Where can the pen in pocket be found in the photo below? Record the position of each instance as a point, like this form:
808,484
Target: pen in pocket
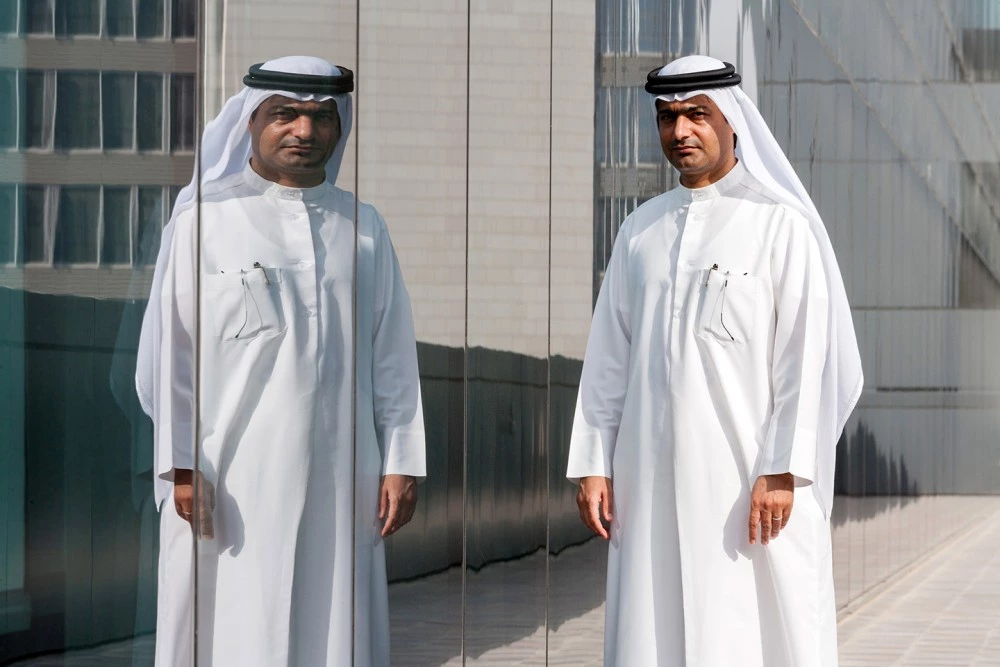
267,280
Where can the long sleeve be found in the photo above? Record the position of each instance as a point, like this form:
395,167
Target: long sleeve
604,380
801,339
399,416
173,373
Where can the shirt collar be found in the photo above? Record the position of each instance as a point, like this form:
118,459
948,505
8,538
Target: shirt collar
270,188
717,189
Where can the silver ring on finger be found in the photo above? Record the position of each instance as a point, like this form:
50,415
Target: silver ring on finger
776,519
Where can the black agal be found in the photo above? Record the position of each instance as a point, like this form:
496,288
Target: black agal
300,83
659,84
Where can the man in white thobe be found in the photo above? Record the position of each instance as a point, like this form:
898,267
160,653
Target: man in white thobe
720,369
309,430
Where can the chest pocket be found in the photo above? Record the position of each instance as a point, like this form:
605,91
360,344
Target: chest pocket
728,310
244,305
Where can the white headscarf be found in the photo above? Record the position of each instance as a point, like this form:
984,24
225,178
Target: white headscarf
761,155
225,150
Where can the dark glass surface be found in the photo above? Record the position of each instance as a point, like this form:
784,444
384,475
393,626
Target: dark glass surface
34,224
8,17
184,18
118,109
9,99
78,552
37,16
78,110
149,112
120,18
503,187
78,17
149,18
8,223
150,220
75,234
36,124
116,236
182,104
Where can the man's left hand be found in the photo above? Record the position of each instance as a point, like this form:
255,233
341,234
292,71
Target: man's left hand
397,499
770,505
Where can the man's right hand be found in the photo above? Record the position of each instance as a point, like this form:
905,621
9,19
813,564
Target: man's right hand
595,494
184,500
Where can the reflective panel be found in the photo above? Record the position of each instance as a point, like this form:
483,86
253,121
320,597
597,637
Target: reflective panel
508,250
412,169
78,237
497,149
577,559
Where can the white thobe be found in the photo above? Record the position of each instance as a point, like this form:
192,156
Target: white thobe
296,532
702,372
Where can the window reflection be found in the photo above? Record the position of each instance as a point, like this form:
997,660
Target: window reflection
38,15
8,108
78,101
34,224
149,18
76,225
8,17
116,230
182,102
149,112
118,100
119,18
109,110
183,18
78,17
149,222
122,19
8,228
39,91
76,220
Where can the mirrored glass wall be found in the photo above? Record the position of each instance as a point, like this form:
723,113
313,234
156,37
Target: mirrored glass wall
502,145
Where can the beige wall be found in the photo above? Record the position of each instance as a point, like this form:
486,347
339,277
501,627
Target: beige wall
411,124
572,176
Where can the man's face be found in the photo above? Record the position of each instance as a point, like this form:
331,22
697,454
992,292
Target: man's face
292,140
696,138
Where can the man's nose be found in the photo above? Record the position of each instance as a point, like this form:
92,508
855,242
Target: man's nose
682,128
303,128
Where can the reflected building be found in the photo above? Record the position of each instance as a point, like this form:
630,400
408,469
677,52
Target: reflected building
97,134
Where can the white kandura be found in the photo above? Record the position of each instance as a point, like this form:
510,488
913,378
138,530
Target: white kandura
296,564
721,349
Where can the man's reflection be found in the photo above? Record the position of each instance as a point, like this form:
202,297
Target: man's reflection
299,490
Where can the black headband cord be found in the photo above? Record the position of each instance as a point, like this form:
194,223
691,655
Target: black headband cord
264,79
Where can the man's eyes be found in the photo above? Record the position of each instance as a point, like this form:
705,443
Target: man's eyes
286,114
670,118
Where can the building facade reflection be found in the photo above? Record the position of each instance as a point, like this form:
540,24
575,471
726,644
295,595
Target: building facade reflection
97,134
504,149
